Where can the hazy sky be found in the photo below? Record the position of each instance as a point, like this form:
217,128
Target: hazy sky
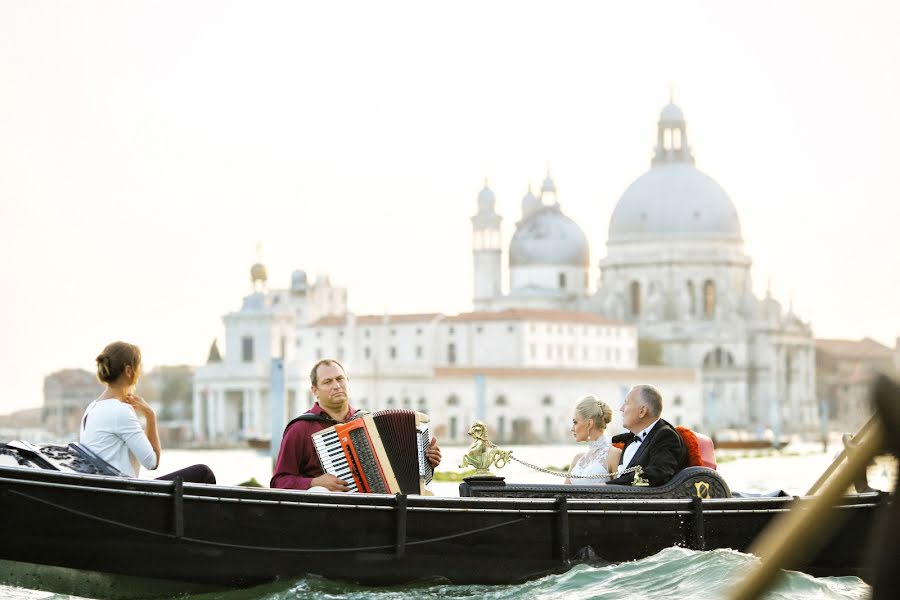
146,148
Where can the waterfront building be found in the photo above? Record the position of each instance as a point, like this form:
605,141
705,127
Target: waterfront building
66,394
844,372
675,279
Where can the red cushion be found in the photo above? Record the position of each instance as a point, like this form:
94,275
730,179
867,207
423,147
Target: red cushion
701,452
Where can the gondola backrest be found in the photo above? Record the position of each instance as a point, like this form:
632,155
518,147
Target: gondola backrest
701,451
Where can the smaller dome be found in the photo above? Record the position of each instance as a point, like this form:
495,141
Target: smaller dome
298,280
530,203
548,185
671,114
486,199
548,237
258,272
486,194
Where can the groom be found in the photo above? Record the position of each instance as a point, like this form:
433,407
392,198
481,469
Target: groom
652,442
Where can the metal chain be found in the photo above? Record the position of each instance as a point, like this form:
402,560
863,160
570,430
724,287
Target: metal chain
570,475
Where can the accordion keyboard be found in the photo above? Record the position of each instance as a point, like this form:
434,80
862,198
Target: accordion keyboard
332,457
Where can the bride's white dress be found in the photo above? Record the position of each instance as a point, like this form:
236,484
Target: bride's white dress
592,462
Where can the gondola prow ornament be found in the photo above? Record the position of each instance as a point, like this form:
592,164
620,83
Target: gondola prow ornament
482,453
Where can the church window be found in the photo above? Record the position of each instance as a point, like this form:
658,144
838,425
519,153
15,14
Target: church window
393,332
367,352
451,354
709,298
510,328
479,329
247,349
453,428
418,351
418,331
390,402
453,400
562,281
407,402
635,298
547,401
393,352
368,333
422,404
501,428
501,400
452,331
677,401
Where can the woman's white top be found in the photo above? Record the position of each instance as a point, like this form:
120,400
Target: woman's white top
592,462
111,429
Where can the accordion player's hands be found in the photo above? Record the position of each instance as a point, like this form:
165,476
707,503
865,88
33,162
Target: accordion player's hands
330,482
433,453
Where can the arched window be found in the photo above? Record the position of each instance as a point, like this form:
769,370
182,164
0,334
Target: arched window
709,298
547,401
562,281
635,298
451,354
501,400
453,400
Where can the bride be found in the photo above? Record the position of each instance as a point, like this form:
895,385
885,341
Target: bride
592,415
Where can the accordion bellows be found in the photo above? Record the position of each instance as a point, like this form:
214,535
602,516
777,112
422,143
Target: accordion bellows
381,452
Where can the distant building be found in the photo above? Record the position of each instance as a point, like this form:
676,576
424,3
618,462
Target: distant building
66,394
844,372
168,389
675,274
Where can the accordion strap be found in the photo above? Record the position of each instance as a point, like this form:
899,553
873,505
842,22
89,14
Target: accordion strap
322,418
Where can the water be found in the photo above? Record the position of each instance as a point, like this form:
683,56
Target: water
673,573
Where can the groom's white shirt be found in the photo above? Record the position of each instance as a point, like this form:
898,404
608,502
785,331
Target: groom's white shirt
632,448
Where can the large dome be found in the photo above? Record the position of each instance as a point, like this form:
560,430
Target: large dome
548,237
674,199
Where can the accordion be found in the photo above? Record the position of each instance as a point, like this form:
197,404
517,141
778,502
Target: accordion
381,452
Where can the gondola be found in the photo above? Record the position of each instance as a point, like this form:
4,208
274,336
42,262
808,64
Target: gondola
67,516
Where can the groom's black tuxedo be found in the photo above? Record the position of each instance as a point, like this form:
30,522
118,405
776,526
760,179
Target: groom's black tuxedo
661,454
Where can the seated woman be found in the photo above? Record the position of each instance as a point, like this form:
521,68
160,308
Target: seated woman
110,426
592,415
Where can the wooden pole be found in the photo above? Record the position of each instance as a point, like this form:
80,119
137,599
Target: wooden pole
795,534
840,457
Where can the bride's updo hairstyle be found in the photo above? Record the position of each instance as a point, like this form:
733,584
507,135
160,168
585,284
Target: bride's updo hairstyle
593,408
115,357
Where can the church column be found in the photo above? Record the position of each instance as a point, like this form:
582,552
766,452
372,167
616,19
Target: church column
246,413
210,415
197,413
220,413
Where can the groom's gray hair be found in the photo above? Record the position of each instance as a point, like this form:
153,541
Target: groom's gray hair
650,397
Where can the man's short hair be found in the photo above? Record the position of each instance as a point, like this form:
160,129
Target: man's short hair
650,397
314,374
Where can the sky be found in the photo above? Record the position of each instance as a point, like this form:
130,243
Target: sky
147,149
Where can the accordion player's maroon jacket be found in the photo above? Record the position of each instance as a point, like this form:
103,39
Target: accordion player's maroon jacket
297,462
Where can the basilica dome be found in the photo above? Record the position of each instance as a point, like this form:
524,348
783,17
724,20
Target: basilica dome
674,198
548,237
